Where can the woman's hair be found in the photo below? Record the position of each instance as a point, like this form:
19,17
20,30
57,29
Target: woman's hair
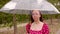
32,20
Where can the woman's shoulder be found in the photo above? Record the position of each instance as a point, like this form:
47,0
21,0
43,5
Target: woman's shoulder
28,27
45,26
45,23
28,24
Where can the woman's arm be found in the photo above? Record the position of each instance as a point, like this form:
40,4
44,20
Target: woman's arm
27,28
46,29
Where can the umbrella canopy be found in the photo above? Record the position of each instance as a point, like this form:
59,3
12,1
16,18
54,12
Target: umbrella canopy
42,5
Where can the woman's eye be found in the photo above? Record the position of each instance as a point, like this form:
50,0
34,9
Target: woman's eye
35,14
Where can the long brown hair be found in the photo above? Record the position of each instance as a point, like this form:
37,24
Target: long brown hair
32,20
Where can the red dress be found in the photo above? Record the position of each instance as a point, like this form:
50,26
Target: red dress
45,30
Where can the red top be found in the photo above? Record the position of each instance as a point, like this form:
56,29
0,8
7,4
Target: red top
45,30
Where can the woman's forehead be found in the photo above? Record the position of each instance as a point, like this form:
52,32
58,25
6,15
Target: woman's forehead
35,11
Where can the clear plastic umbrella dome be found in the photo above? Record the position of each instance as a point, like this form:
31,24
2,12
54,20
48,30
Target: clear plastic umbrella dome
43,5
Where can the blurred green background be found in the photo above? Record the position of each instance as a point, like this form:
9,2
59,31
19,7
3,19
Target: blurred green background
6,19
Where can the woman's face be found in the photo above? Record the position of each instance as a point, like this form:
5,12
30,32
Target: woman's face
36,15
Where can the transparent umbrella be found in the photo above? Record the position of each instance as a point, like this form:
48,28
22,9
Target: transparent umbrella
43,5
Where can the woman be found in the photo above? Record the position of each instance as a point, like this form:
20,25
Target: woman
37,25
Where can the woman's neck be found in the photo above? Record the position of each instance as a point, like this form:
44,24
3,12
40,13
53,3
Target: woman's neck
37,22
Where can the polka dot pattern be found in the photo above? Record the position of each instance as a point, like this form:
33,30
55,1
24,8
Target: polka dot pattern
45,30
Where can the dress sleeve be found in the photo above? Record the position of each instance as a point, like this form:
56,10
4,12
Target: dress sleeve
27,28
46,29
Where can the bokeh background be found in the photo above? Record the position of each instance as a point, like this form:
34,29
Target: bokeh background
6,20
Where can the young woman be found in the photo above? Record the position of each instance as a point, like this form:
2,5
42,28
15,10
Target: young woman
37,25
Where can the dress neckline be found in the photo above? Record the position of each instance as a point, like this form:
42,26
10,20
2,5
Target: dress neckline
39,30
